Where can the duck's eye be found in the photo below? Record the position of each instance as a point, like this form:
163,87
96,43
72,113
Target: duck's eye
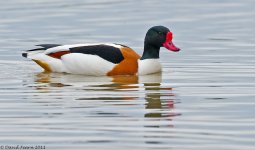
159,32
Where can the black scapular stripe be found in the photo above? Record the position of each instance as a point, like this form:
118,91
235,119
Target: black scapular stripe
106,52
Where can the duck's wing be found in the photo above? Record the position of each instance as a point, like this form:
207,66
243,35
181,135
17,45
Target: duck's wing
108,52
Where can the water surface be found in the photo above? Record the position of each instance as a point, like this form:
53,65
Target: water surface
203,99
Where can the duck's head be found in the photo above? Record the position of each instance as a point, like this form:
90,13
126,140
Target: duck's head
159,36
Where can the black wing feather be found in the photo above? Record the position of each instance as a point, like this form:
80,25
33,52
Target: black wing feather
106,52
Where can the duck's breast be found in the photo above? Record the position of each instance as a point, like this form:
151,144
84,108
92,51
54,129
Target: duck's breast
129,65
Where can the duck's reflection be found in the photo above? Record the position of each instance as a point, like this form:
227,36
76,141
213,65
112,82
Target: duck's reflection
159,98
62,80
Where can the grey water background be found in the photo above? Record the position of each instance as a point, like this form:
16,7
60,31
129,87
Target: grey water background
204,98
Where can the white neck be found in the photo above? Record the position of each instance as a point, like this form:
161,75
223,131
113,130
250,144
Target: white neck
148,66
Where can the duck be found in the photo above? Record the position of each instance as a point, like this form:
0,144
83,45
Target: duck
104,59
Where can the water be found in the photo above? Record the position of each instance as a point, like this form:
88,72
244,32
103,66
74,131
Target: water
204,98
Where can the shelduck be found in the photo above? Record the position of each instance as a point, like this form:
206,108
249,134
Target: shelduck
104,58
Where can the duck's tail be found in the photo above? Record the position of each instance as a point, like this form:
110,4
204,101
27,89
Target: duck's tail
43,47
49,64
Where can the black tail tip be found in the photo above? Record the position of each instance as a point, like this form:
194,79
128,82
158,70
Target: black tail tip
24,55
